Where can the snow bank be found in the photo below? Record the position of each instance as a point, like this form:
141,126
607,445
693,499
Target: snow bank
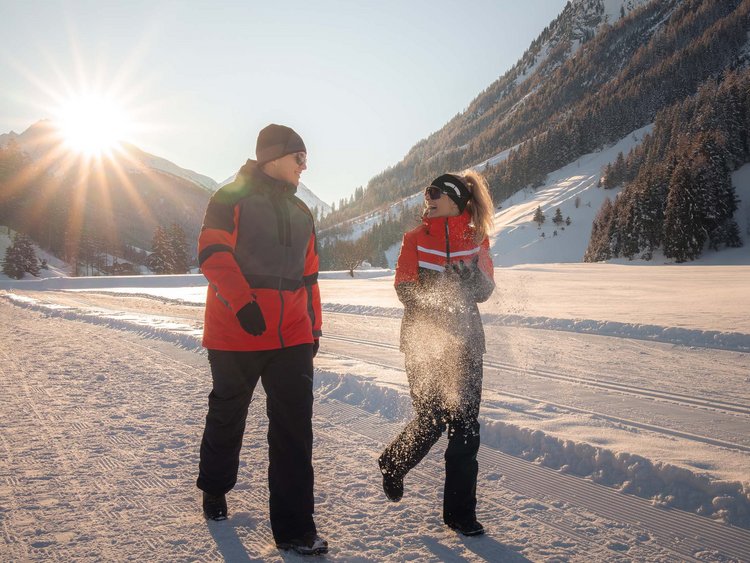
666,485
109,282
673,335
149,326
368,395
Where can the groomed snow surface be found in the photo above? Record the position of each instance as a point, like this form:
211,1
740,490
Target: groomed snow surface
615,416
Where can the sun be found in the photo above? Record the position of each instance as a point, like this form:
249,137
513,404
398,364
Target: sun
92,125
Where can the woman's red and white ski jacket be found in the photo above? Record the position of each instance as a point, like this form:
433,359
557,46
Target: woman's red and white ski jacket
438,304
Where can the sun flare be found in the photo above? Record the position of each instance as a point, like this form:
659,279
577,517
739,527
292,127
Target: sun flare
92,125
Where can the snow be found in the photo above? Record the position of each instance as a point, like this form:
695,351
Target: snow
111,378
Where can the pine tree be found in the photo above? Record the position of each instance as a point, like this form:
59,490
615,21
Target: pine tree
684,235
20,258
558,218
539,216
160,260
601,234
12,263
178,249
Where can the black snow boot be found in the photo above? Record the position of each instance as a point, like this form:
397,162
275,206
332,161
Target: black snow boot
214,506
393,486
309,544
466,527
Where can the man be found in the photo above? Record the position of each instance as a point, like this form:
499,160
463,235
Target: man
257,249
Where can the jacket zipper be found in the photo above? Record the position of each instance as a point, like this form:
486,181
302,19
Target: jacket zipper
285,237
447,243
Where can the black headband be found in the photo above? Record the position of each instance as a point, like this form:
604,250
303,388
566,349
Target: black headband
454,188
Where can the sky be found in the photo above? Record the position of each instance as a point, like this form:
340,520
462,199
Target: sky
361,82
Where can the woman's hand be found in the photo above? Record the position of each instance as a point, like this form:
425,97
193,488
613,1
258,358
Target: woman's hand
463,272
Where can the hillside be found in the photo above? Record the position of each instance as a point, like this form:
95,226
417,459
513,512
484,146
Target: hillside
66,201
574,190
584,83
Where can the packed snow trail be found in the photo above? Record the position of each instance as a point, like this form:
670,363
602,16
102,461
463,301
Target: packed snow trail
100,436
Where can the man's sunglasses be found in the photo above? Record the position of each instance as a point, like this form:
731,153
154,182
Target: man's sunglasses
301,158
433,192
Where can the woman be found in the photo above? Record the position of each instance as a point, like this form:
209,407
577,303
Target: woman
443,271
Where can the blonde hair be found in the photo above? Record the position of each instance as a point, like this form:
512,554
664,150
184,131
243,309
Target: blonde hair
480,205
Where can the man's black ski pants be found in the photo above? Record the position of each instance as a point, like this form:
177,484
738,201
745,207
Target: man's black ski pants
287,378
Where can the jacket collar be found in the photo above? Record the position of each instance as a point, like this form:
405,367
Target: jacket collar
250,173
456,224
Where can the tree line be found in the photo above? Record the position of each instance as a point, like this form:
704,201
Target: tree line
337,250
678,193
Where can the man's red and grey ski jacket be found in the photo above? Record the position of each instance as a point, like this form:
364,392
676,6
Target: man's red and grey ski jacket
438,306
258,244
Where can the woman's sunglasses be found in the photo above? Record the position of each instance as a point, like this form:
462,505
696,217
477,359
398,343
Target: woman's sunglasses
433,192
301,158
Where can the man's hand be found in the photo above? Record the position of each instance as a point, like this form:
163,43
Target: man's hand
316,346
251,319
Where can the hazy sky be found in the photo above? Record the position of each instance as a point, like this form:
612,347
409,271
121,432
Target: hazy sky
362,82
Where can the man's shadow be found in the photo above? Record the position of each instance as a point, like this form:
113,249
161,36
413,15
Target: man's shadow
229,544
228,541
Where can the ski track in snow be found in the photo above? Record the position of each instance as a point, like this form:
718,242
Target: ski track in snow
101,434
672,335
248,534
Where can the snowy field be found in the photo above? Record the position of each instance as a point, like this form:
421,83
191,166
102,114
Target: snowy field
615,418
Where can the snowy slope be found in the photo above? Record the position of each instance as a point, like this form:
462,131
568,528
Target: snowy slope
517,239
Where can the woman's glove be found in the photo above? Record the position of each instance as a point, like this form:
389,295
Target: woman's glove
478,286
467,274
251,319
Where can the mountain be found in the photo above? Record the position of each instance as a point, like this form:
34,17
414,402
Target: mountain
303,192
152,162
43,138
67,202
601,70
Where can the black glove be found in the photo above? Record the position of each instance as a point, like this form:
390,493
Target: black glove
316,346
251,319
463,272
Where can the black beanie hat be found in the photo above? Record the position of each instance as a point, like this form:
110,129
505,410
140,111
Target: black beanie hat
454,188
275,141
